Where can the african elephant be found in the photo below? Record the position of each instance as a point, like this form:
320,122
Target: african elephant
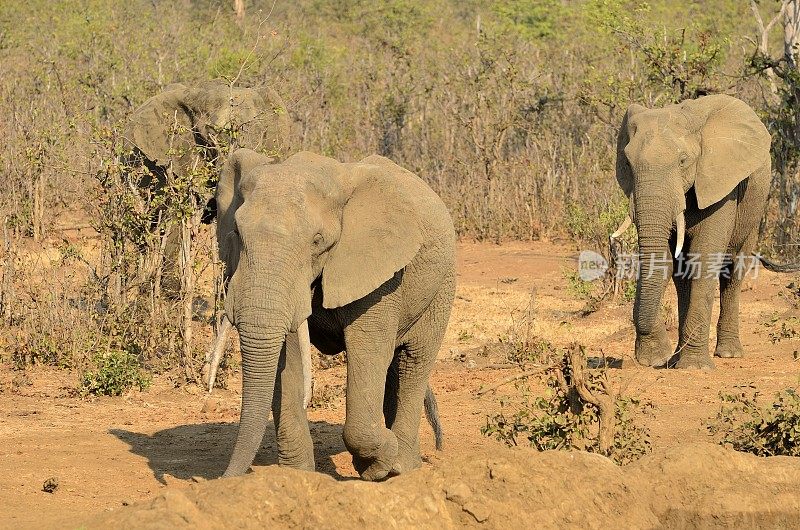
365,254
185,126
696,172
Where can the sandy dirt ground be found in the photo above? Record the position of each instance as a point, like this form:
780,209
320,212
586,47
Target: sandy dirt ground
111,452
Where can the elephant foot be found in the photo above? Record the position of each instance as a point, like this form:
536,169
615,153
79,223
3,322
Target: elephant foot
653,350
693,362
406,463
729,349
303,461
379,466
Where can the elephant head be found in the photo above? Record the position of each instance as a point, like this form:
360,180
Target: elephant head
284,229
694,153
174,127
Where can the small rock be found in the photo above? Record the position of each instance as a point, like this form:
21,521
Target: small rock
198,479
126,503
471,364
459,493
210,405
478,510
50,485
192,389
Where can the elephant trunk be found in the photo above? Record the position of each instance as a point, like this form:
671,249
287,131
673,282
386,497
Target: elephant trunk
655,264
262,337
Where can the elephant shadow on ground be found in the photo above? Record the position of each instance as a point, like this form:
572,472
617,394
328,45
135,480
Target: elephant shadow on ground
203,450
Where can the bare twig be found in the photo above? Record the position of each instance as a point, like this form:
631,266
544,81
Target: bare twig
515,377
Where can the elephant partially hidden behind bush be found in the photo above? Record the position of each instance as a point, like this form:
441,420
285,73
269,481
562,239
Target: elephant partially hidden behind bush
182,135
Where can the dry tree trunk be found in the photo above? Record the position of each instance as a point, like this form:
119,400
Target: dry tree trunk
786,182
189,229
763,43
789,188
791,30
575,383
36,199
7,287
239,7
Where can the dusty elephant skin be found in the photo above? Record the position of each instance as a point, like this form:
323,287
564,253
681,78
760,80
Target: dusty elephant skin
184,126
688,487
697,172
365,253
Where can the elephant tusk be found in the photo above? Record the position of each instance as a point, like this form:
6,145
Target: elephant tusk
631,208
680,227
624,226
214,355
305,353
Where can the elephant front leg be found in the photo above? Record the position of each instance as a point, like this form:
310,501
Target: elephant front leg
370,348
295,447
692,351
653,349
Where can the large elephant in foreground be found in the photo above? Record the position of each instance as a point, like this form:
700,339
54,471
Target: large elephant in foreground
190,126
697,175
365,254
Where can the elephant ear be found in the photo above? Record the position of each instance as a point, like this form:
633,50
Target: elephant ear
381,231
162,127
624,171
236,172
733,142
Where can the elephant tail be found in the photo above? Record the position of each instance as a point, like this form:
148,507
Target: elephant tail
432,415
776,267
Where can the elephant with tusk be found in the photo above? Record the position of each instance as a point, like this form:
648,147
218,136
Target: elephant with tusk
697,175
214,357
361,256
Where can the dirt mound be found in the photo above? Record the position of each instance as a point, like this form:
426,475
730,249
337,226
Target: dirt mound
697,486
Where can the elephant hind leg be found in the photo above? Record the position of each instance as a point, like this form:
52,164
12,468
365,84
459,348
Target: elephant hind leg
728,343
730,286
391,389
415,365
390,397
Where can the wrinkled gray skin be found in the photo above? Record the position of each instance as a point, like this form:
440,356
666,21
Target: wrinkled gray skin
703,164
366,253
167,130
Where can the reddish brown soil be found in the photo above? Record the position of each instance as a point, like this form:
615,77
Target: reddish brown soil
107,452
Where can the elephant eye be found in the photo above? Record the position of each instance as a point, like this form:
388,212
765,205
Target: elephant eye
684,159
318,239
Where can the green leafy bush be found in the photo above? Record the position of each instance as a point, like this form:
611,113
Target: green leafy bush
114,373
578,411
770,430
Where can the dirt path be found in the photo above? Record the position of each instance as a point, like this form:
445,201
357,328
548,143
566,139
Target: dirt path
107,452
